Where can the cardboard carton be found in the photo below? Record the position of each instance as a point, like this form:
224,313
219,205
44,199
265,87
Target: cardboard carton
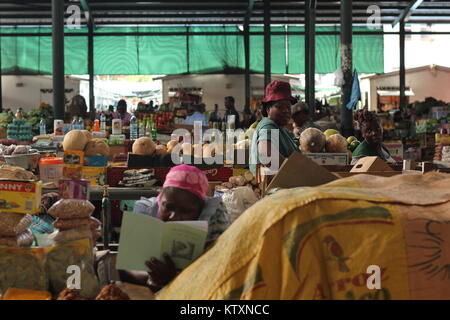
368,164
299,171
20,196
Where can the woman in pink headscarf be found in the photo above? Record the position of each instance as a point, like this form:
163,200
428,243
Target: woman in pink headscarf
183,198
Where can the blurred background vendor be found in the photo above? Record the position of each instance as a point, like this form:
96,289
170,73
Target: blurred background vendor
195,114
276,111
301,119
122,113
372,133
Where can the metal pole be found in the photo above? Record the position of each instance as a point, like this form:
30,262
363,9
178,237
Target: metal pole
1,91
347,66
58,58
247,68
187,50
267,72
91,66
402,65
310,55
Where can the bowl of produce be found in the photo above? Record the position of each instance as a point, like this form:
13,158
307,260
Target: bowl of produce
20,156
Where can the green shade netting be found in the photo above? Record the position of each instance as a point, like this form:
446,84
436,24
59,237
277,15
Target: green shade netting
165,53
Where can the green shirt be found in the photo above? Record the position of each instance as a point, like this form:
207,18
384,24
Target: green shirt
286,146
365,150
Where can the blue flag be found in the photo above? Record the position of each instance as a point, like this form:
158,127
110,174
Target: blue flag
356,93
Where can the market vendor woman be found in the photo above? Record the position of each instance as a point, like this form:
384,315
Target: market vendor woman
183,198
372,133
276,111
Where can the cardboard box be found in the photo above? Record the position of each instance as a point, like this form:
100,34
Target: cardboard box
74,157
371,164
20,196
339,159
299,171
95,175
72,171
96,161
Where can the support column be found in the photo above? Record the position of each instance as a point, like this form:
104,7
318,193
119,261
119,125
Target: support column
58,58
310,55
247,69
402,65
347,67
1,91
267,71
91,66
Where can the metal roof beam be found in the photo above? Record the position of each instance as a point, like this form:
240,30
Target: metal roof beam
413,5
88,13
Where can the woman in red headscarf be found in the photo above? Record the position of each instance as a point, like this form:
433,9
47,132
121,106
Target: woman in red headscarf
183,198
271,139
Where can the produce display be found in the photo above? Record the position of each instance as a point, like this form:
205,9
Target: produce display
312,140
144,146
81,140
244,180
96,147
19,129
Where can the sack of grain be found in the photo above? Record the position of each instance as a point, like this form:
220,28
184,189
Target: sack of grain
318,243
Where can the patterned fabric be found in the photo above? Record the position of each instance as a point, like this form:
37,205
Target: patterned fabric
188,178
363,237
42,223
214,212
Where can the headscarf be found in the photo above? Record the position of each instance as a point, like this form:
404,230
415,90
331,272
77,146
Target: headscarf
188,178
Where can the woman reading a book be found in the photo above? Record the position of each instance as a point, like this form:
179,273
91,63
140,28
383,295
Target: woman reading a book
183,198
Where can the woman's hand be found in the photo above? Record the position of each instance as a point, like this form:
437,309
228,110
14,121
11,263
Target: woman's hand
160,273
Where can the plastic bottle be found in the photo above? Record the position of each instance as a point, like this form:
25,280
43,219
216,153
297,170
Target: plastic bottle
148,129
42,127
74,123
103,122
80,124
141,128
154,131
96,126
133,128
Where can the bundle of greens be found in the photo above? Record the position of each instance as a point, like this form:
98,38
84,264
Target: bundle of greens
44,111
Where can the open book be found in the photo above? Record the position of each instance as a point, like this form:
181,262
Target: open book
143,237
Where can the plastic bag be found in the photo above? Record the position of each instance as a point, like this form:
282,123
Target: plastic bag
77,253
62,236
95,224
238,200
22,268
12,224
66,224
24,239
71,209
